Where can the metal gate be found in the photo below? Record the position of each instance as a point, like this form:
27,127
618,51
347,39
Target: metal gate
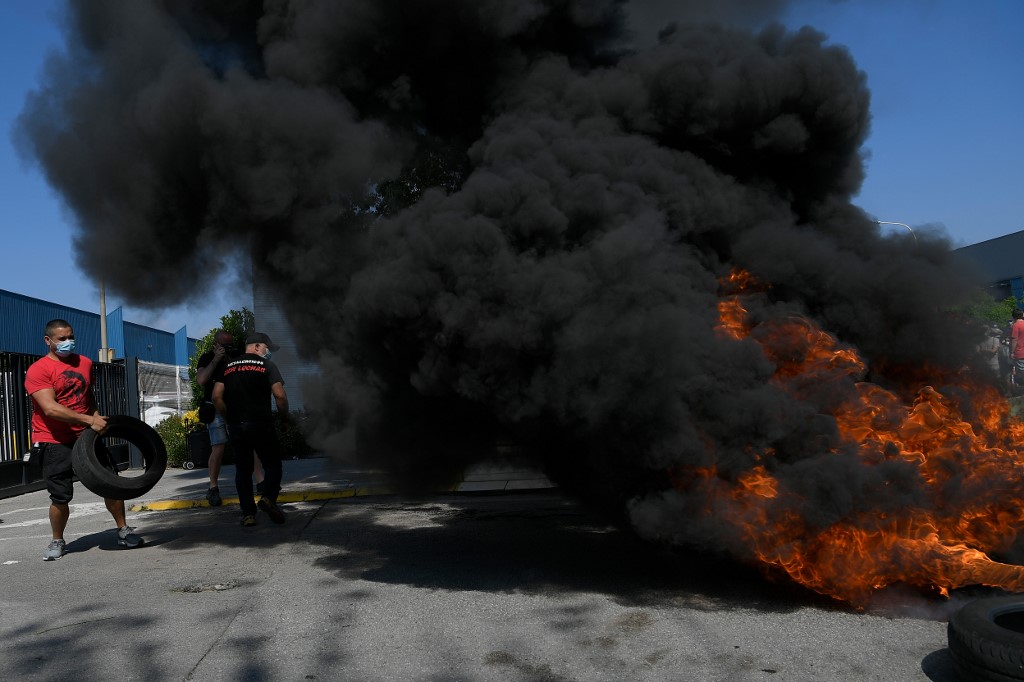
16,407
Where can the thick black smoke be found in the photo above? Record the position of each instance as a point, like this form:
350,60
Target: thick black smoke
498,221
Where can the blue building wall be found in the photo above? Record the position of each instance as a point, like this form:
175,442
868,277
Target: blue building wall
997,263
146,343
23,318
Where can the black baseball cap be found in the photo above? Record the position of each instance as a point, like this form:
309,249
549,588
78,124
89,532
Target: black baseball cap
260,337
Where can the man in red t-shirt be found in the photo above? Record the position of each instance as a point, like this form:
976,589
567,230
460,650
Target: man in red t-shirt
60,384
1017,346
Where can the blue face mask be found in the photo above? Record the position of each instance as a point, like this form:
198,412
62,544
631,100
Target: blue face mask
266,356
65,348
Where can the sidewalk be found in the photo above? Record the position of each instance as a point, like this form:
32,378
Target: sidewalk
322,478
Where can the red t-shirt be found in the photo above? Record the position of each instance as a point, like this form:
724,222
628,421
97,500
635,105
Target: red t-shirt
1017,334
71,381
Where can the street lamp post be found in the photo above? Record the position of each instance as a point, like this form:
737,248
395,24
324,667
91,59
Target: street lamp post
889,222
104,355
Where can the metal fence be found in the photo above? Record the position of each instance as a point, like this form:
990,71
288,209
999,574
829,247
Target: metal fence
15,406
110,387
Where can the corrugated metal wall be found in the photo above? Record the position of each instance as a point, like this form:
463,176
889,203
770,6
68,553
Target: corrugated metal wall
22,319
145,343
996,259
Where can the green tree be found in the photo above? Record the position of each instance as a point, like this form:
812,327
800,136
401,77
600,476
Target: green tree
983,309
239,323
436,162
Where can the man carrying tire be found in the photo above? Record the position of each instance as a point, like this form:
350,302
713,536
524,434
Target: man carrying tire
60,384
242,395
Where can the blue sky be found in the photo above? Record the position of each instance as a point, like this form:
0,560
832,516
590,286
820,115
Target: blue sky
946,148
37,250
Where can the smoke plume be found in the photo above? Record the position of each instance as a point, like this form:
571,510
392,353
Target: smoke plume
509,221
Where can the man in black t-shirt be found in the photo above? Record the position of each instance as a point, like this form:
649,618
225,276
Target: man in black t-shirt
242,395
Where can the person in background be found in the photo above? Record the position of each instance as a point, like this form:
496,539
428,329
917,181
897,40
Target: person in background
60,384
208,368
242,396
989,348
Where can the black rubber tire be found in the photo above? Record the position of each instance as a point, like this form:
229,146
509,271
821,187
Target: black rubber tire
986,640
189,464
95,473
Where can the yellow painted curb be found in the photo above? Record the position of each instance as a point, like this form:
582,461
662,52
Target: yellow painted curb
303,496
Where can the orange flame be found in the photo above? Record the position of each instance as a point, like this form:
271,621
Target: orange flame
969,469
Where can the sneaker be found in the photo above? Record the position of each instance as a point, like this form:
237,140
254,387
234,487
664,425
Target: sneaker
55,550
127,538
271,510
213,497
249,520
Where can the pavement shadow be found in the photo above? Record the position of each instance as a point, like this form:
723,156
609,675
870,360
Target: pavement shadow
938,666
530,543
544,544
39,661
103,540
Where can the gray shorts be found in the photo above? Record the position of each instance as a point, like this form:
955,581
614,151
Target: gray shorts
218,431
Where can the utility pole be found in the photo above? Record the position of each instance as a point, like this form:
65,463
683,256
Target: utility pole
104,351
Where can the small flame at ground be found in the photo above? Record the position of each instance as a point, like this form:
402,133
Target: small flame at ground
941,543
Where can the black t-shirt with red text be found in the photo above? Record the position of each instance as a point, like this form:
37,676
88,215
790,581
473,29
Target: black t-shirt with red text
247,380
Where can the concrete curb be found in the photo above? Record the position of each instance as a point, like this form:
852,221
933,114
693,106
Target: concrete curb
308,480
303,496
355,491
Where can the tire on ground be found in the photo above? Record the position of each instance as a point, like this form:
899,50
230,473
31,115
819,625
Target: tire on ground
95,472
986,640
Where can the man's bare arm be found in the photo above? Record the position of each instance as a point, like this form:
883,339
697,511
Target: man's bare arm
281,398
204,374
218,398
46,399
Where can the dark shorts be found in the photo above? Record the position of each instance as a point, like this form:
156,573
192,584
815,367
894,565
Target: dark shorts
59,473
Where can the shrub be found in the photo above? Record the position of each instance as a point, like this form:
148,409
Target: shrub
290,436
173,430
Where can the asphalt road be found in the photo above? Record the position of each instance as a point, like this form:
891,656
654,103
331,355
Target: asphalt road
454,587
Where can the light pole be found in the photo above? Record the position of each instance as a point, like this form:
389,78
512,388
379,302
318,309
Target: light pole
889,222
104,353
